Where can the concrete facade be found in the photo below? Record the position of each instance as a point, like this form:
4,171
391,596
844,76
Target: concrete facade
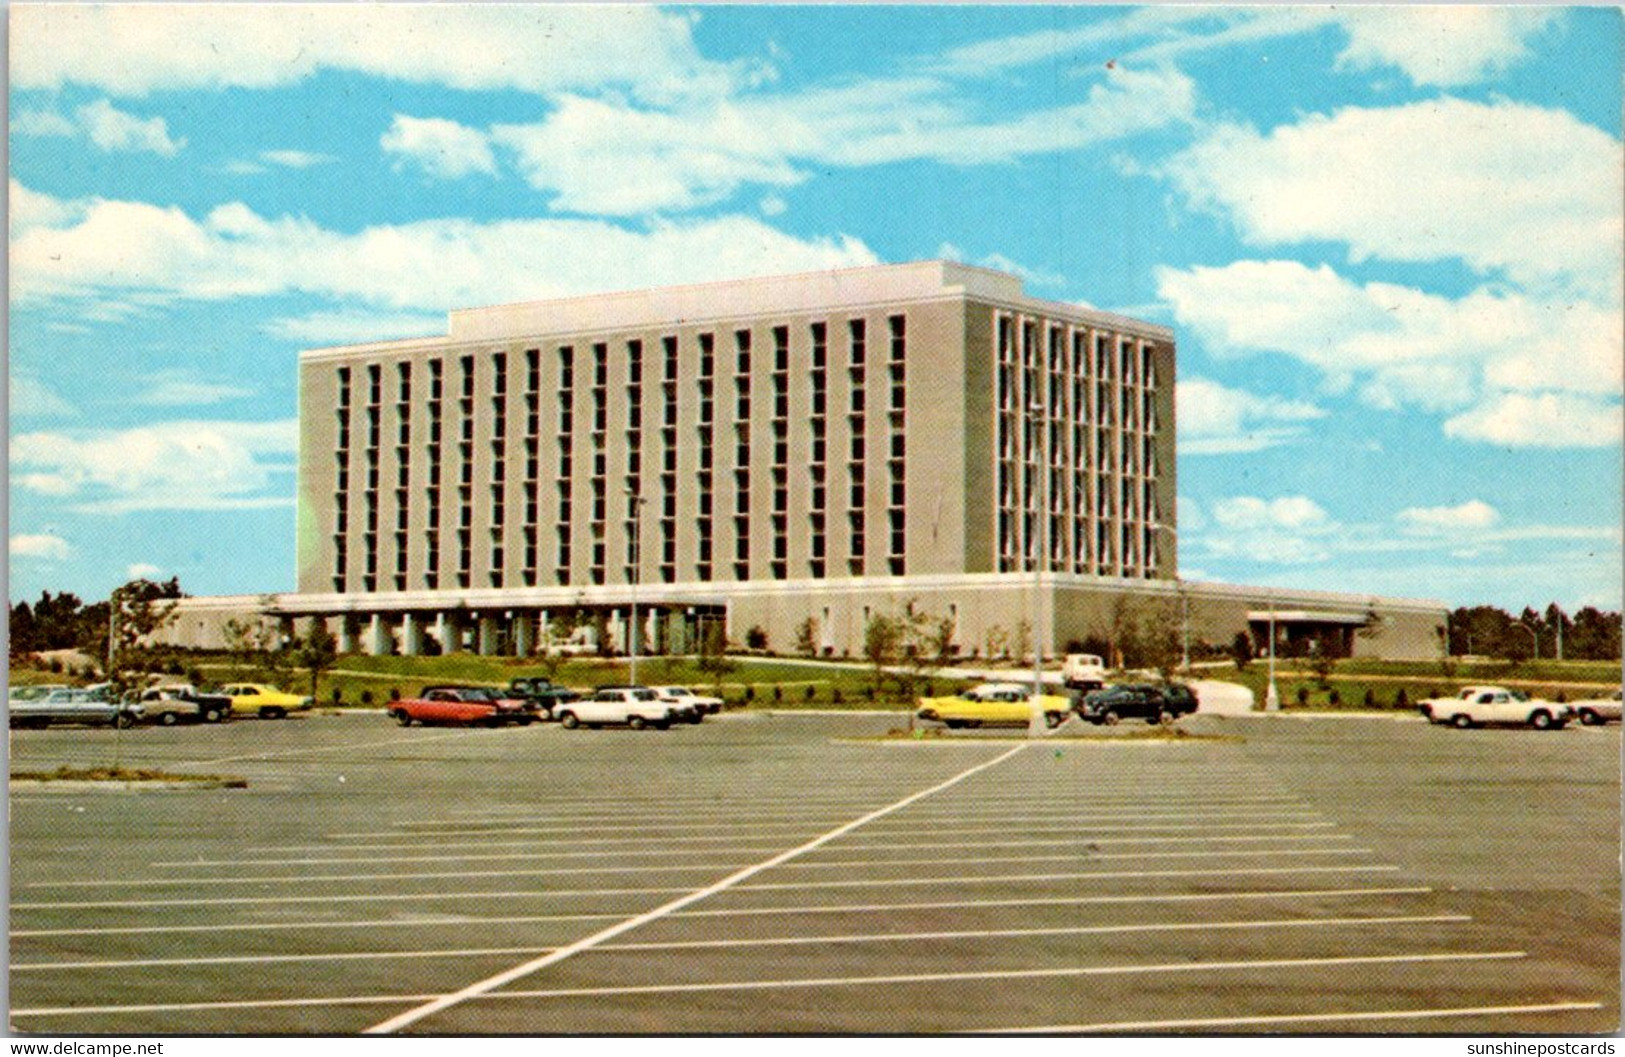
827,446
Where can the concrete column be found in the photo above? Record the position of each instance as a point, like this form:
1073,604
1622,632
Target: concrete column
442,631
488,635
346,633
411,635
377,635
524,633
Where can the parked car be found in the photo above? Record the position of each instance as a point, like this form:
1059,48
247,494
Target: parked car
993,704
1595,711
545,694
1083,671
1477,706
682,695
1154,704
267,702
169,705
635,706
463,704
92,705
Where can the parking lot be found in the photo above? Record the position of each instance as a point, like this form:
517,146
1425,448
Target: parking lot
777,873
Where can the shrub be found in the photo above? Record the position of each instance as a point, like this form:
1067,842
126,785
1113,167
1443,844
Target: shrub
194,676
1334,698
756,638
809,693
55,665
750,692
778,693
394,693
1402,699
1370,698
835,696
1303,695
338,695
366,697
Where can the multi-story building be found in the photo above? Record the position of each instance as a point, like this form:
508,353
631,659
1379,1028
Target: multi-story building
825,446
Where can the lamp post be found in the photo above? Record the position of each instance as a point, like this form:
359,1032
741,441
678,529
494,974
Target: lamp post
636,502
1184,605
1035,716
1533,635
1272,697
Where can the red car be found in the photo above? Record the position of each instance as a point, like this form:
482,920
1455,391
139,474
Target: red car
463,704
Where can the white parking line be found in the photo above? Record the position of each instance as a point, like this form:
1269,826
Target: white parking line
463,921
1031,819
1291,1018
517,972
1015,974
349,747
566,893
412,1016
778,941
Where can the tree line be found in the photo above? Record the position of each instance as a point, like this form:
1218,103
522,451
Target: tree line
1588,634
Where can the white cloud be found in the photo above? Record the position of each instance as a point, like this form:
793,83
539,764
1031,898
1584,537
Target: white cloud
1215,419
40,545
104,125
443,149
1251,512
146,253
179,389
1414,183
1541,420
609,156
1404,347
355,326
131,50
32,398
182,465
142,571
296,159
772,205
1447,44
1475,514
112,129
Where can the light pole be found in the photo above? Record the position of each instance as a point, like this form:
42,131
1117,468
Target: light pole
1184,605
1035,716
636,502
1272,697
1533,635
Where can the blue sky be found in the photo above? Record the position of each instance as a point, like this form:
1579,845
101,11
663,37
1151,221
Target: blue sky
1389,241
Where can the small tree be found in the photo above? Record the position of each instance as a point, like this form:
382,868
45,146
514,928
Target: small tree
882,645
713,659
318,653
996,641
756,637
1322,662
1241,650
807,637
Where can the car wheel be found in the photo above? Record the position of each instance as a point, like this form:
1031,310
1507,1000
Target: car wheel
637,723
1589,718
697,717
401,717
1165,718
1541,720
1053,719
544,715
951,724
168,719
523,721
665,724
1110,718
568,720
1461,722
272,712
214,715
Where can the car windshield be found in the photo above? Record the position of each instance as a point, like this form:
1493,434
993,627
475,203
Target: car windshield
678,691
645,695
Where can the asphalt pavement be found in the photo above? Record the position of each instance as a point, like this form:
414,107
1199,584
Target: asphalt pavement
773,873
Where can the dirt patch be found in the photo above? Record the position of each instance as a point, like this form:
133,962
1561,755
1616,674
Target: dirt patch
124,778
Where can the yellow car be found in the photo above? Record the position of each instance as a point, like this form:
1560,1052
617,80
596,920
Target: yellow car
267,702
993,704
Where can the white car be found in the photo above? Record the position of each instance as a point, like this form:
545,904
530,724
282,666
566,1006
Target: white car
1083,671
1476,706
682,695
1595,711
636,706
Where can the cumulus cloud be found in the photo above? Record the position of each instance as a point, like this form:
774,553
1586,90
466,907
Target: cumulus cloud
352,326
131,50
1446,44
138,251
181,465
32,398
1216,419
1421,195
142,571
40,545
1473,514
612,156
1404,347
105,126
1541,420
180,389
443,149
296,159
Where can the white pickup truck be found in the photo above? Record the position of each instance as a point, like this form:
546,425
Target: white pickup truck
635,706
1083,671
1477,706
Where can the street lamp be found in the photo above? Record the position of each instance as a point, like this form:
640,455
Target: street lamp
1184,606
1035,716
636,502
1533,635
1272,697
